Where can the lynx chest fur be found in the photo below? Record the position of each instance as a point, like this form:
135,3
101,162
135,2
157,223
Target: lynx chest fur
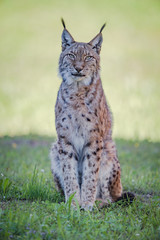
84,159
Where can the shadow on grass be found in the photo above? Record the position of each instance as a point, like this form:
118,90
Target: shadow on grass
25,168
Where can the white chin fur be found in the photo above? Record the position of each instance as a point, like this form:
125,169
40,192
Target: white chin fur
84,80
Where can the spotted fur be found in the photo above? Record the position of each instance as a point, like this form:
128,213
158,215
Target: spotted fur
84,158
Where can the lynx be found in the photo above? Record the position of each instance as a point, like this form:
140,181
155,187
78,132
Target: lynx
84,158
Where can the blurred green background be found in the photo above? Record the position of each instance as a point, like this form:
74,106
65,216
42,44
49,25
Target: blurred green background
30,44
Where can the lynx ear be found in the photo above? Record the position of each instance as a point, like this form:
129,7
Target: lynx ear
67,39
97,41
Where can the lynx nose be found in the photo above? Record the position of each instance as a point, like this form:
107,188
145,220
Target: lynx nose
79,68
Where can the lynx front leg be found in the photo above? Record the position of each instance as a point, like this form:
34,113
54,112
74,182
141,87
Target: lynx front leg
55,167
90,171
69,169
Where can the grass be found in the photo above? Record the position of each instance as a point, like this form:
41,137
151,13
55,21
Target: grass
32,209
29,50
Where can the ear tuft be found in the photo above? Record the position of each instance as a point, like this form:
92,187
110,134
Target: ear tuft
96,42
63,23
102,27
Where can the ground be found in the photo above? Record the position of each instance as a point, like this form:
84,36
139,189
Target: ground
32,209
30,44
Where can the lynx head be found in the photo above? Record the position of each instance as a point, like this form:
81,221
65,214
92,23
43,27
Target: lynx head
79,61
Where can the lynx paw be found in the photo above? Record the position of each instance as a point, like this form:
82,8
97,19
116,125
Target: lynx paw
88,206
103,203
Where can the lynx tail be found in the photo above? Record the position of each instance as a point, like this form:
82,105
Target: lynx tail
127,198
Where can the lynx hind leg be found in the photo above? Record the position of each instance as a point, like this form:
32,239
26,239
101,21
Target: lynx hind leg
115,186
111,191
55,167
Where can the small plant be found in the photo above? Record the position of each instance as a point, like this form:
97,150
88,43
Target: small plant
71,207
36,188
5,184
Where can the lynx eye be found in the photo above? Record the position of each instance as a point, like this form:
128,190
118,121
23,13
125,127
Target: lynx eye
89,58
71,56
